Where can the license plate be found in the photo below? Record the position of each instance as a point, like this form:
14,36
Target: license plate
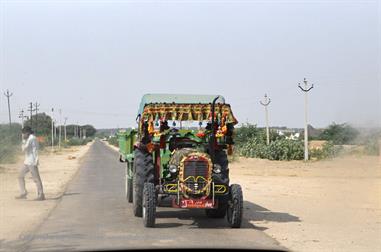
196,203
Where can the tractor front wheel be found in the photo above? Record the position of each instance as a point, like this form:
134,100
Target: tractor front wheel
143,172
235,206
149,205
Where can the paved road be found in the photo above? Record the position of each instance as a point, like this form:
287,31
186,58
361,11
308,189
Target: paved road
93,214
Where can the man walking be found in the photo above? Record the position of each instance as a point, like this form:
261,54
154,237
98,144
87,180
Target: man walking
30,147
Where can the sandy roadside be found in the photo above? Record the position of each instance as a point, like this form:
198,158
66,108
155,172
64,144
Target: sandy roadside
332,205
19,217
111,146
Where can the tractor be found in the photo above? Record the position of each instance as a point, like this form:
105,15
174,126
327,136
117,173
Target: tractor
179,152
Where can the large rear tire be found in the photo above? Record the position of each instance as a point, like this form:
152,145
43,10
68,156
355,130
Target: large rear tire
143,172
149,205
136,198
129,185
235,206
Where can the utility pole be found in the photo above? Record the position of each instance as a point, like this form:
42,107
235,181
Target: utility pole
36,105
21,115
305,89
265,103
31,114
65,128
55,128
8,95
59,130
52,129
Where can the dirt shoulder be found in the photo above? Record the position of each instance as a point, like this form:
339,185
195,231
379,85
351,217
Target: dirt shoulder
19,217
330,205
111,146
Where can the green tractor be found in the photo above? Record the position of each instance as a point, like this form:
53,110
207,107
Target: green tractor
179,152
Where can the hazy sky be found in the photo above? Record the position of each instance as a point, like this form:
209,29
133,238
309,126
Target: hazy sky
95,59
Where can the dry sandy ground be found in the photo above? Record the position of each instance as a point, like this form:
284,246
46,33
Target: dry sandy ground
332,205
18,217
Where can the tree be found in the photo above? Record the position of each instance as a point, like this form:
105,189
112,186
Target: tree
71,128
40,123
339,134
42,126
90,130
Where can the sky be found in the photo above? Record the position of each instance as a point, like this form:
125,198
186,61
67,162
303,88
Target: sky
95,59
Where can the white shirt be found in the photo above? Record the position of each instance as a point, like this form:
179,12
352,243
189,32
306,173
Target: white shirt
30,147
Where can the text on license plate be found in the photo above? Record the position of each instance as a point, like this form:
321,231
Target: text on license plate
196,203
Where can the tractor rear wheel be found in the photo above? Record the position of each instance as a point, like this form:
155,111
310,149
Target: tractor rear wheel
235,206
149,205
143,172
129,190
129,185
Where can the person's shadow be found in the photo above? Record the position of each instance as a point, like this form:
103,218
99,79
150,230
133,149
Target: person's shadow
62,195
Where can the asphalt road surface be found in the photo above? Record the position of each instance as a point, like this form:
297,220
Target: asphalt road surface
93,214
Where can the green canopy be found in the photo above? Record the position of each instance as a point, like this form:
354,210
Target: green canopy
178,99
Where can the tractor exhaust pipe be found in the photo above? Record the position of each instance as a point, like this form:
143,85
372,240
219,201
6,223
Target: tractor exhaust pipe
213,136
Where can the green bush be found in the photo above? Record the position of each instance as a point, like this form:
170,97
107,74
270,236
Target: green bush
280,149
284,149
372,146
10,142
8,153
78,141
251,142
339,134
253,147
251,131
113,141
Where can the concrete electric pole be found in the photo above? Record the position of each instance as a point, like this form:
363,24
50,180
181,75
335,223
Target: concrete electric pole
60,130
65,128
31,114
266,101
21,115
305,89
36,109
8,95
52,129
